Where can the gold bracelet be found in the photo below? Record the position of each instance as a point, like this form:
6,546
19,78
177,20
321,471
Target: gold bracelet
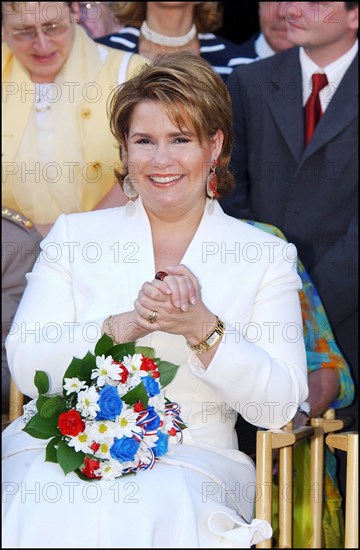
211,338
109,322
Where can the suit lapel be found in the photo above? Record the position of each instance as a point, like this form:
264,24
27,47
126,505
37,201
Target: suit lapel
341,111
285,102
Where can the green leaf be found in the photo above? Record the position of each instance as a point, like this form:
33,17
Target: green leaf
120,350
68,458
41,381
136,394
167,372
147,352
103,345
53,407
41,428
51,449
40,402
81,368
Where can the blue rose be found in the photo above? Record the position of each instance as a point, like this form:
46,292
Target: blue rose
110,404
152,421
124,449
161,447
151,386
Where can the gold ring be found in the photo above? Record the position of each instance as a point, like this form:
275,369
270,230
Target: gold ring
153,316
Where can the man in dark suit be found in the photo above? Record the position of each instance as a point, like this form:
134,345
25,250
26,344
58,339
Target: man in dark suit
272,37
308,191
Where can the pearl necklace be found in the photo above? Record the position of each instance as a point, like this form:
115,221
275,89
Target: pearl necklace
169,41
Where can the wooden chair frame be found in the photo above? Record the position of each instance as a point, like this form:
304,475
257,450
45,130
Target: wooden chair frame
284,440
349,442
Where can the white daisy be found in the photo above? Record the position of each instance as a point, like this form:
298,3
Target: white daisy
81,442
110,469
74,385
102,430
106,370
104,450
87,402
126,423
133,363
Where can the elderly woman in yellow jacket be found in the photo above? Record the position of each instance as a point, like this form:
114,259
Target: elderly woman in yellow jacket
58,152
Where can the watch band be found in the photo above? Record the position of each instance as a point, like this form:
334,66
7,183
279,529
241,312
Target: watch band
211,339
305,408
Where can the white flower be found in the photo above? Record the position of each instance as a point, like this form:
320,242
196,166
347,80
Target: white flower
104,449
81,442
133,363
74,385
110,469
144,455
102,430
126,424
106,370
149,441
158,402
87,402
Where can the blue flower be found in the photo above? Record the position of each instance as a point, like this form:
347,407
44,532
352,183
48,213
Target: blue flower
151,386
110,403
161,447
124,449
152,421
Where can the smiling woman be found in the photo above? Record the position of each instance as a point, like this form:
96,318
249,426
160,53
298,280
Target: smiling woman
55,84
177,291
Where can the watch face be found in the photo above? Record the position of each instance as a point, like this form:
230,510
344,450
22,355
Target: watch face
212,338
305,407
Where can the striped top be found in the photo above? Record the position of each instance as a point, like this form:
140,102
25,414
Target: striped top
221,53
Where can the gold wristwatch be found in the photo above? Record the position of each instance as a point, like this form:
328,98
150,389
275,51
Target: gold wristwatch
211,338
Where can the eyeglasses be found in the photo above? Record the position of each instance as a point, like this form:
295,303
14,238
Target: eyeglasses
48,29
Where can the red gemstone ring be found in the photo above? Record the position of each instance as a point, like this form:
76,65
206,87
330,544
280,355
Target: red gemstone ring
160,275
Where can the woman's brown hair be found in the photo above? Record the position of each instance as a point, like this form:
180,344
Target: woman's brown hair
192,95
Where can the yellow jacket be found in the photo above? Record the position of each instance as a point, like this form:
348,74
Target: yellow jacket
62,160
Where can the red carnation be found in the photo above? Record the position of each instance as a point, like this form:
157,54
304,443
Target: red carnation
95,446
71,423
138,407
124,373
90,465
148,364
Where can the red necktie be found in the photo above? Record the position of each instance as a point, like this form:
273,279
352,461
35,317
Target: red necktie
313,111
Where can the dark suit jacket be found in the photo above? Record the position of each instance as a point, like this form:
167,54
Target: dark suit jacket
310,194
247,49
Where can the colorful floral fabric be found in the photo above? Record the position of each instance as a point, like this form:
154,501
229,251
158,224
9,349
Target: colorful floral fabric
321,352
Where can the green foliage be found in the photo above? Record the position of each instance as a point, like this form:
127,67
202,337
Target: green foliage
135,395
51,449
41,381
147,352
81,368
41,428
103,345
53,407
44,424
68,458
121,350
167,372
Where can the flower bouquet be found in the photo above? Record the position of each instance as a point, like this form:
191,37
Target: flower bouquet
113,417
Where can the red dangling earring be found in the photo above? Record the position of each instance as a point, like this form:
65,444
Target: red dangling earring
212,181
